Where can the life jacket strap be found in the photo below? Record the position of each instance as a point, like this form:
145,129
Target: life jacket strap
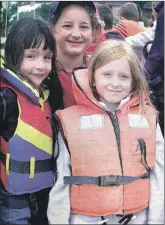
26,167
109,180
125,219
14,201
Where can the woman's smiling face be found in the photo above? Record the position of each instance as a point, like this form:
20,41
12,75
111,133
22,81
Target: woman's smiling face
73,31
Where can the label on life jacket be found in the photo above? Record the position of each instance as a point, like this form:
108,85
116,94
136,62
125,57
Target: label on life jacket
91,121
138,121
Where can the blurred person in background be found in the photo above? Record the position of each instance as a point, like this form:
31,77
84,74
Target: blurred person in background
154,65
129,20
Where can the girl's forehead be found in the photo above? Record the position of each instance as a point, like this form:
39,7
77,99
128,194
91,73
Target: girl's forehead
72,11
40,44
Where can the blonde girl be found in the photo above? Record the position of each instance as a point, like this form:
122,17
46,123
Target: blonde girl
110,163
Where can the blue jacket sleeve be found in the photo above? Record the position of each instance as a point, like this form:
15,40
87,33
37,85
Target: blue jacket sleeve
154,66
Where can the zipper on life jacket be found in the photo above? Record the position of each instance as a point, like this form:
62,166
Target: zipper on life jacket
115,124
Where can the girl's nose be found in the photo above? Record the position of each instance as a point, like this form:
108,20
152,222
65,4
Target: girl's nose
40,64
76,33
115,82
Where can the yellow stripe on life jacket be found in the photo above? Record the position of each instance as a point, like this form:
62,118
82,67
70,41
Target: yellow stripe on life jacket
42,100
31,135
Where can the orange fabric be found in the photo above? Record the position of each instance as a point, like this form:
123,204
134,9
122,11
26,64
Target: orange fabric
128,28
94,152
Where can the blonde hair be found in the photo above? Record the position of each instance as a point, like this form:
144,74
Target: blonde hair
111,50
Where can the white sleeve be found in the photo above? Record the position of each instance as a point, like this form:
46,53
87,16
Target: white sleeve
59,198
156,205
139,40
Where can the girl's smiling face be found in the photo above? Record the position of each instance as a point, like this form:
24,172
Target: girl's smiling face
113,82
73,31
36,63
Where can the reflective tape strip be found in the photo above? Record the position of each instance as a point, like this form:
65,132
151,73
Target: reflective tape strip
7,163
32,167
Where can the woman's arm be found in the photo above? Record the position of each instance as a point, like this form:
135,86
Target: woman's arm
156,205
59,197
139,40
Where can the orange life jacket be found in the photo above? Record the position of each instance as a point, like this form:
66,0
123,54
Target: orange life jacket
103,144
128,28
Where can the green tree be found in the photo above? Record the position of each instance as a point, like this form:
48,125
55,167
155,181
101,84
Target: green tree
10,14
7,14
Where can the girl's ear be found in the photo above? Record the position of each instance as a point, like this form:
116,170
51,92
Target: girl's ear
97,33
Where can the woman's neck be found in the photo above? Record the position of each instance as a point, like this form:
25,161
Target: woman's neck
69,63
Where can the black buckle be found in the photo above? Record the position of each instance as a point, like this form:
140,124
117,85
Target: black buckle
108,181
